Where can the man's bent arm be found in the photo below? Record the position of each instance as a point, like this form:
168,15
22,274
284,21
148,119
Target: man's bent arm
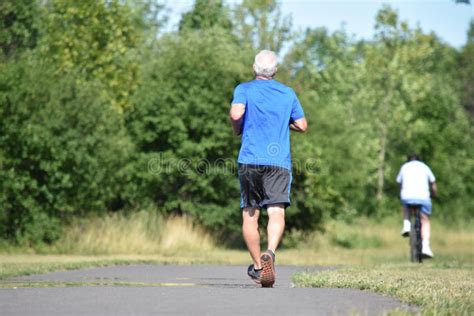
237,117
299,125
434,189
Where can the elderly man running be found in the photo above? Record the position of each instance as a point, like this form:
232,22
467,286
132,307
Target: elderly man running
263,111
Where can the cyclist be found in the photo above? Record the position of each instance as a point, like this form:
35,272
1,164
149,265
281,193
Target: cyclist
263,111
415,179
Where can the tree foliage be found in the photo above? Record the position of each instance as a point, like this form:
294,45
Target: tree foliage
206,14
99,38
372,103
102,111
62,145
19,26
261,24
466,72
190,153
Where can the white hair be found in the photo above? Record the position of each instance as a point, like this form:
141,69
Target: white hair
265,63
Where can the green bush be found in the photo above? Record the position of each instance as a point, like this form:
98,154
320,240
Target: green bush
62,150
186,153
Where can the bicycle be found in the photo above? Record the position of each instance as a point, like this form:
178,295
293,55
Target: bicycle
415,233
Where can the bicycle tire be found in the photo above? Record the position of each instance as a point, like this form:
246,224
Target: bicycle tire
415,236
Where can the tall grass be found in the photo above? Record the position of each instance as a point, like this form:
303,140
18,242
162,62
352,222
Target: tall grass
364,241
367,241
144,232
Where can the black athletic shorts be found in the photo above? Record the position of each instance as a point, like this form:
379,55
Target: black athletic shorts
261,186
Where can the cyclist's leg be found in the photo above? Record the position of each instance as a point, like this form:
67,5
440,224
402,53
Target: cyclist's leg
276,225
425,235
406,213
251,234
406,227
425,227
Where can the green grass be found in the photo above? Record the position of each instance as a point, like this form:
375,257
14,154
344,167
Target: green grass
438,291
374,257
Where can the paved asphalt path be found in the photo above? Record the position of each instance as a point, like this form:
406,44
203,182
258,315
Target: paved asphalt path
184,290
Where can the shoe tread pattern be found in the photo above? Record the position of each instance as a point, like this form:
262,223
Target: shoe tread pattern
267,278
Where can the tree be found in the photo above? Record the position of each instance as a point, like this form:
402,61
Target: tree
97,38
185,162
372,102
19,26
205,15
261,25
466,72
412,100
326,72
62,147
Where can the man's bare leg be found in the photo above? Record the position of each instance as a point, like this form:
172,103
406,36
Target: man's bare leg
276,225
425,227
406,213
406,227
425,236
251,234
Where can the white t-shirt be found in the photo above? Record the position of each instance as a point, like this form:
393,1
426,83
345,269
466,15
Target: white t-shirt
415,177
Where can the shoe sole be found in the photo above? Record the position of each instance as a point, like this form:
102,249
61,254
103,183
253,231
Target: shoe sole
425,256
267,278
406,234
257,281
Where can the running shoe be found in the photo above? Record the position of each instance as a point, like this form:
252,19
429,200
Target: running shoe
267,277
254,274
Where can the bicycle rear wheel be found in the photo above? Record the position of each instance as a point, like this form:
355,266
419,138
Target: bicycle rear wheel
415,236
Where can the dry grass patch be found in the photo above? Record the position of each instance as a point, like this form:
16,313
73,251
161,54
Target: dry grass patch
139,233
366,241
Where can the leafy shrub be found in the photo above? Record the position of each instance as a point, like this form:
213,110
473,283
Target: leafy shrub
62,149
185,162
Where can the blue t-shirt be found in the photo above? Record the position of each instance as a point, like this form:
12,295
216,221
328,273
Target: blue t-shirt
270,106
